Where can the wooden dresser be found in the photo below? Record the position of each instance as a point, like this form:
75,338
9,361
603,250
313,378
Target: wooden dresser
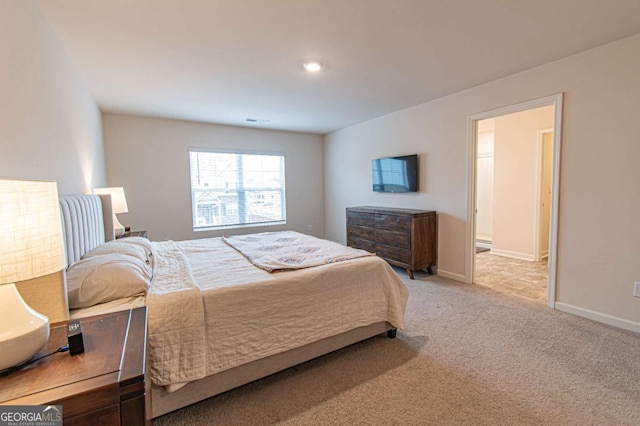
105,385
403,237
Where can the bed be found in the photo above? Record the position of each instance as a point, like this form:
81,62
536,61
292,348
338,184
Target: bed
216,320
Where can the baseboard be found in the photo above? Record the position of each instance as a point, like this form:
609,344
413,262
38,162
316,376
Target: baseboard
451,275
599,317
512,254
483,244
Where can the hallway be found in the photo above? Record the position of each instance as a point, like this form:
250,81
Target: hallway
513,276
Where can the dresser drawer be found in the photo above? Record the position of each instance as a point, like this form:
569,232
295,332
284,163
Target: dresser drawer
361,232
393,253
109,415
361,244
361,219
393,222
392,238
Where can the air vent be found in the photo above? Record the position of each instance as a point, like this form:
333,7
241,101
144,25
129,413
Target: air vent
257,120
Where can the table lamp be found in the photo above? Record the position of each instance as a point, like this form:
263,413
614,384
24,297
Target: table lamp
119,204
31,246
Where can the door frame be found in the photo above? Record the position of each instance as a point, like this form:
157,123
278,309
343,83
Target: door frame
470,258
537,250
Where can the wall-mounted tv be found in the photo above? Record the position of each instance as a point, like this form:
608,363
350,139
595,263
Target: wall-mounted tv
395,174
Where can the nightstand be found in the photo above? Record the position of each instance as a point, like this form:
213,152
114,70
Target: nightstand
104,385
134,234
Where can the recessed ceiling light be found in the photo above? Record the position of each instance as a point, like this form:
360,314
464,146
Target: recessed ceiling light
312,65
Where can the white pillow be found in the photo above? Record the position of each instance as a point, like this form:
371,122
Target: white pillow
104,278
138,241
138,247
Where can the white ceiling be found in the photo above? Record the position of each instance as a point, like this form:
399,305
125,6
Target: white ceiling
222,61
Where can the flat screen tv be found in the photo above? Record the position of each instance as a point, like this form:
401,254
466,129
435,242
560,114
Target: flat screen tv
395,174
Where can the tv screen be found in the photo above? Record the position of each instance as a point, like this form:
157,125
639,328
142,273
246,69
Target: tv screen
395,174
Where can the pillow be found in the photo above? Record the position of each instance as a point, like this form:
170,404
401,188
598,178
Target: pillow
104,278
138,247
135,241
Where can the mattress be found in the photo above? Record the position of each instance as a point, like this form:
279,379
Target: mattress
210,309
122,304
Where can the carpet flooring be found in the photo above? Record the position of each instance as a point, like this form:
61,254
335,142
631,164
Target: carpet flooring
467,356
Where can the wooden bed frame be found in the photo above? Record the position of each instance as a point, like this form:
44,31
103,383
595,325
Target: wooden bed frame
87,223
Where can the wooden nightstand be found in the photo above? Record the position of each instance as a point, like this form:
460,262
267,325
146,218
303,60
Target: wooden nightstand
104,385
134,234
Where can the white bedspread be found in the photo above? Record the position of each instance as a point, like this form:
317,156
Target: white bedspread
176,333
249,313
281,251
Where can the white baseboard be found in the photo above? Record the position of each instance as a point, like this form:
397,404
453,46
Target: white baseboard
599,317
483,244
512,254
451,275
483,238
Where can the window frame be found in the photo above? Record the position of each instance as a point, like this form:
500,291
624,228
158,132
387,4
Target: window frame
283,191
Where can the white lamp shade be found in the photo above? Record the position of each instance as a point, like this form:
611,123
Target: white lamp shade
118,205
31,243
118,200
31,246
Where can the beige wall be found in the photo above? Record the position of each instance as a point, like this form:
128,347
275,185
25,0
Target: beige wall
598,247
50,126
149,158
515,181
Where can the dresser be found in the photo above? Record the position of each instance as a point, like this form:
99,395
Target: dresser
105,385
403,237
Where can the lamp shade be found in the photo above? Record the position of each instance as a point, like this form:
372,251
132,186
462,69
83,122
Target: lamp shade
118,200
31,243
31,246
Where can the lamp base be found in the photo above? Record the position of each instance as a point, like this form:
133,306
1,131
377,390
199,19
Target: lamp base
23,331
117,226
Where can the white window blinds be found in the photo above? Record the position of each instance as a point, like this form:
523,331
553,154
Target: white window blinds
234,189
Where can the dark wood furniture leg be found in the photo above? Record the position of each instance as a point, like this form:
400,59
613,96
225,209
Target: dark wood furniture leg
391,334
410,273
429,270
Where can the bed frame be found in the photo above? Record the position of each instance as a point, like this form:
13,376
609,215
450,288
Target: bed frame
88,222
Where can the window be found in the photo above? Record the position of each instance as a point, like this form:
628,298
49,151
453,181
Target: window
233,189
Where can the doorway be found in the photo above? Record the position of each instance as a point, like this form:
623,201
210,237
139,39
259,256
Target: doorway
513,194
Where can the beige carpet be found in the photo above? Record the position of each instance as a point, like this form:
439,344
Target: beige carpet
468,355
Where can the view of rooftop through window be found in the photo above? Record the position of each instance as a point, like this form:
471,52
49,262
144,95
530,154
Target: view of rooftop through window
230,189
